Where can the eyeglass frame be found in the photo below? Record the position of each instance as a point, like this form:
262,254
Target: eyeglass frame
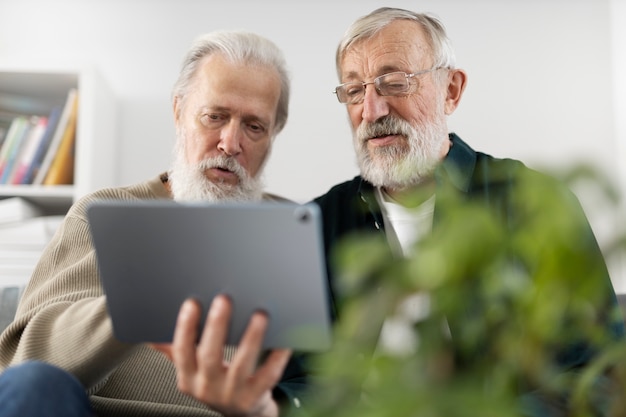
376,86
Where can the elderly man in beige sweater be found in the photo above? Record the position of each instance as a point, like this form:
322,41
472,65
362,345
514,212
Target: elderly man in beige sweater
229,103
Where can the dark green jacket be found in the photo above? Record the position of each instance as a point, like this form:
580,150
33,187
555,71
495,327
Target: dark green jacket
351,207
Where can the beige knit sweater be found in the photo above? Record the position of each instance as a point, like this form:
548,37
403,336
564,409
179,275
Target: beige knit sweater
62,319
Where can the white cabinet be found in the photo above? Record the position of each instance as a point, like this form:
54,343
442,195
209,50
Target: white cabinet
24,91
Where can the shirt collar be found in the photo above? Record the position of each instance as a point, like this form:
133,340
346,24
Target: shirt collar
458,165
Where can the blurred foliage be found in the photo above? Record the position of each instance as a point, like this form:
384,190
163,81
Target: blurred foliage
503,294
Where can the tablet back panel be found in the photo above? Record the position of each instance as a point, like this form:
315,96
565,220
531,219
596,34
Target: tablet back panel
152,255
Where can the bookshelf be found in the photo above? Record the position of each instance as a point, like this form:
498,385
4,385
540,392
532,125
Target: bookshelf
37,92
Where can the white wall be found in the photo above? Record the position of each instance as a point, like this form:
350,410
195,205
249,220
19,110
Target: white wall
540,75
618,49
618,54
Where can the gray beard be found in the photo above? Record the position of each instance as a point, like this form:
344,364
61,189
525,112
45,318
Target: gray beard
403,165
188,182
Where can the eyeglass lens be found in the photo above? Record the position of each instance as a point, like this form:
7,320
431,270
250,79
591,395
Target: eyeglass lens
392,84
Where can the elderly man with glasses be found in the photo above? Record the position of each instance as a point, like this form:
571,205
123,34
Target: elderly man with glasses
399,83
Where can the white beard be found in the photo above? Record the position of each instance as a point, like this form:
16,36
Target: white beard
188,182
403,165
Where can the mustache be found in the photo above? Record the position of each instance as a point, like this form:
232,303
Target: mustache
385,126
223,162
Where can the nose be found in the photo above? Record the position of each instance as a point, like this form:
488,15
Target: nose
230,139
375,106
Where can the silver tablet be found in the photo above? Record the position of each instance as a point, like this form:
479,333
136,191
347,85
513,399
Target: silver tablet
152,255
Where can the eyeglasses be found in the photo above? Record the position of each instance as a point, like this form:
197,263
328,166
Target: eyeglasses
392,84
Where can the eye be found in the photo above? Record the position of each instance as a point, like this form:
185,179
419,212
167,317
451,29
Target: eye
211,118
352,90
255,127
394,86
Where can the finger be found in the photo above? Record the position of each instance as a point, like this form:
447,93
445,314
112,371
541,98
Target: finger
214,334
185,336
250,346
269,372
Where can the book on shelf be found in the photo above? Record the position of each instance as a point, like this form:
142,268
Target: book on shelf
22,242
18,128
34,232
42,146
15,276
27,151
61,170
16,148
16,209
6,118
18,256
4,128
67,121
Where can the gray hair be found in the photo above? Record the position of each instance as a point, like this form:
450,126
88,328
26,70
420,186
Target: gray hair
237,47
367,26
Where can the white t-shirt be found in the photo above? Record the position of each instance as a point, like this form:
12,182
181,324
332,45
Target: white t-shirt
405,226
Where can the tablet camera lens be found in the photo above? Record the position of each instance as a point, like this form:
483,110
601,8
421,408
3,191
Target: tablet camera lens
302,214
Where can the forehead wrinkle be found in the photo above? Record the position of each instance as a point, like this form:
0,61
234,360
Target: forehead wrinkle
247,90
400,46
374,67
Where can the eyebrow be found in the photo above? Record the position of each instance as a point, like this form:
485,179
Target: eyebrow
386,69
246,117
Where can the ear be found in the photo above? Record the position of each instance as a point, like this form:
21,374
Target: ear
457,79
177,107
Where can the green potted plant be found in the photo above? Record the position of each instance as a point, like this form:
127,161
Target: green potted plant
501,299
